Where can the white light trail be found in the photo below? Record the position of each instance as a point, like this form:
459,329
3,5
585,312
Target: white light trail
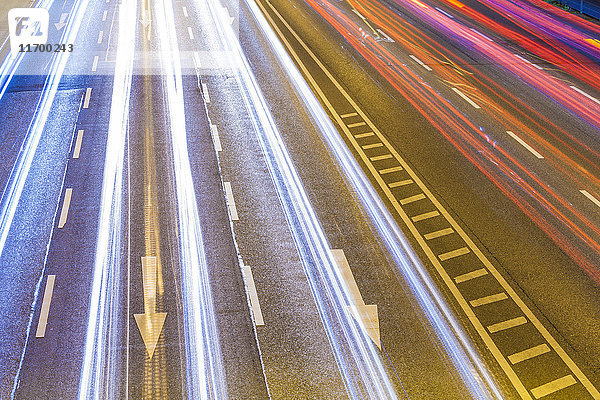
98,368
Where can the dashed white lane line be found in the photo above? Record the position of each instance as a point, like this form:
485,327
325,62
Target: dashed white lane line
191,33
357,13
254,304
382,33
231,201
104,15
86,100
205,93
78,143
553,386
528,62
504,325
589,96
185,11
100,36
589,196
529,353
196,58
43,321
487,37
95,64
65,208
421,63
522,143
465,98
215,136
445,13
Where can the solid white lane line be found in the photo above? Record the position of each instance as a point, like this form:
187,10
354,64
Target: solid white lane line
86,100
379,158
585,94
95,64
364,135
522,143
104,15
352,114
390,170
488,299
589,196
215,136
372,146
254,304
412,199
100,36
382,33
65,208
231,201
191,33
511,323
426,215
437,234
465,98
185,12
41,328
205,93
401,183
553,386
470,275
78,143
357,124
529,353
421,63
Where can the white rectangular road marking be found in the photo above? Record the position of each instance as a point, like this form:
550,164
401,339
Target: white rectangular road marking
43,321
379,158
65,208
412,199
426,215
445,13
231,201
352,114
589,196
465,98
215,136
511,323
470,275
382,33
488,299
196,57
357,13
185,12
475,30
401,183
529,353
78,143
437,234
95,64
364,135
357,124
553,386
585,94
522,143
86,100
528,62
100,36
104,15
390,170
258,317
191,33
421,63
372,146
205,93
454,253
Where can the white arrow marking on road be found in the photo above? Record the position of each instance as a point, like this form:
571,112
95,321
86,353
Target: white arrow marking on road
61,24
150,322
366,315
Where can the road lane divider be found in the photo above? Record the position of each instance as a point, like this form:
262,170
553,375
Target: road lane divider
421,63
43,321
86,100
590,197
95,63
524,144
65,208
190,33
253,295
205,93
100,37
104,15
78,142
589,96
230,201
214,132
466,98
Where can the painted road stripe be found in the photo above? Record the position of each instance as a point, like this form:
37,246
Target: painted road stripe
104,15
589,196
470,275
475,30
511,323
454,253
254,304
421,63
488,299
465,98
364,135
185,12
65,208
372,146
352,114
231,201
205,93
190,33
357,124
95,64
529,353
585,94
390,170
426,215
401,183
100,36
445,13
412,199
379,158
196,57
41,328
527,61
553,386
382,33
522,143
78,143
86,100
215,136
357,13
437,234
